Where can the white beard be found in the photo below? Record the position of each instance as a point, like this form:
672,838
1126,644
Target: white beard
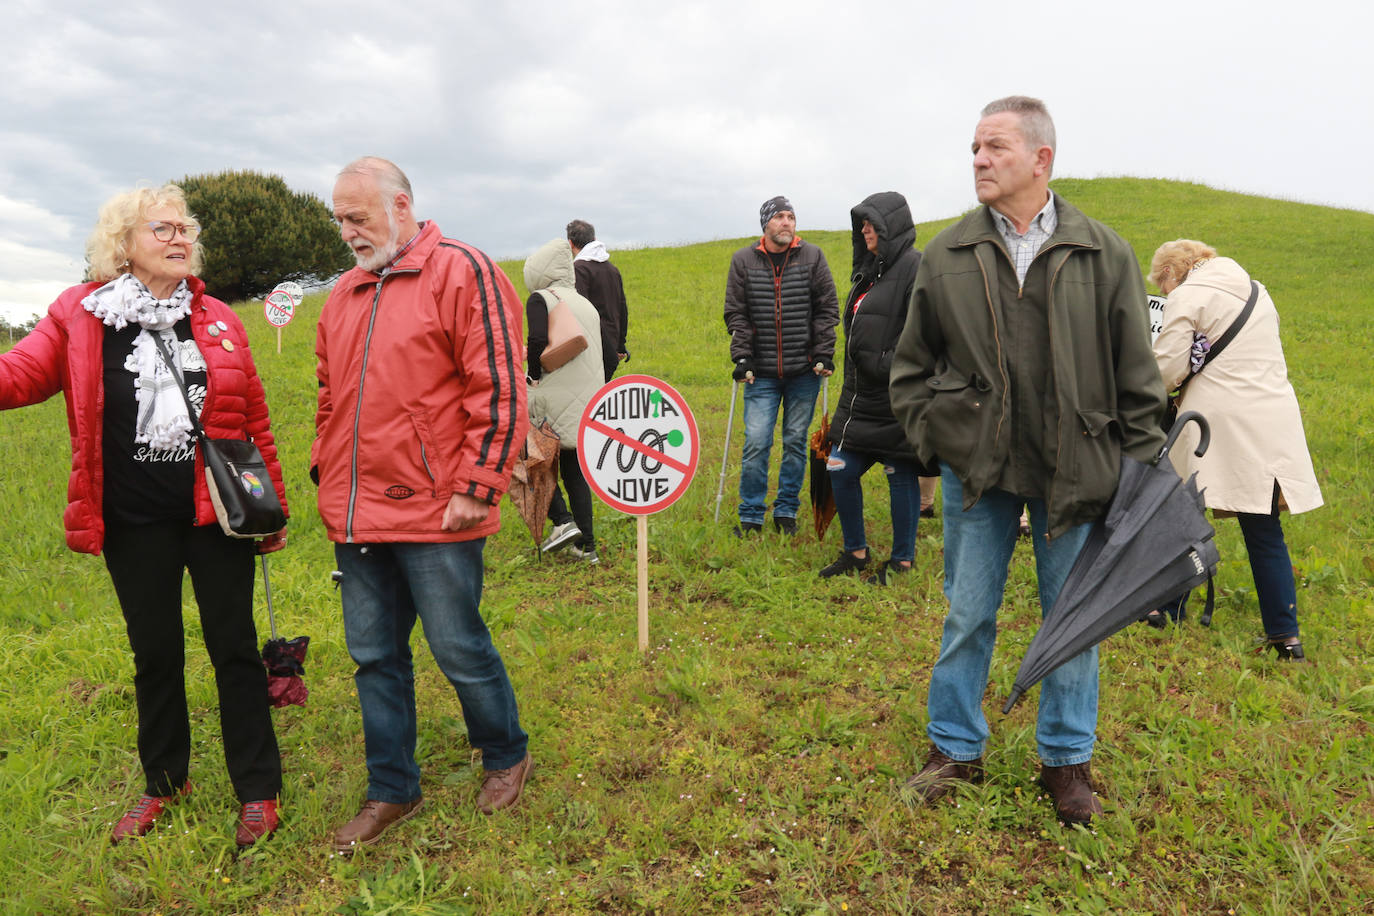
381,256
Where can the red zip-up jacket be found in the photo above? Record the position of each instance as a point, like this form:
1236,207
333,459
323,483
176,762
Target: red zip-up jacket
65,352
422,394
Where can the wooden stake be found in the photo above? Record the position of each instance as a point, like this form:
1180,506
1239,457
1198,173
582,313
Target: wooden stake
642,549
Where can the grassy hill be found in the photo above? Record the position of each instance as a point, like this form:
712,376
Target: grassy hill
749,762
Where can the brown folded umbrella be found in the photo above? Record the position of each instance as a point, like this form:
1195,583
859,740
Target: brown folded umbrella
822,496
532,478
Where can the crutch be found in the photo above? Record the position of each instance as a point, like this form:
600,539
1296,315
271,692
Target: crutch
725,454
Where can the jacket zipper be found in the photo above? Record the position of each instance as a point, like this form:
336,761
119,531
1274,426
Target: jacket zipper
358,410
1059,439
997,338
777,301
848,354
200,457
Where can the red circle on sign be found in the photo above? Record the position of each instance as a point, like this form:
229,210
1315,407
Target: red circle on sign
596,432
279,308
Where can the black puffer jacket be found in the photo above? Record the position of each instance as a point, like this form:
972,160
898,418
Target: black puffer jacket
784,322
882,288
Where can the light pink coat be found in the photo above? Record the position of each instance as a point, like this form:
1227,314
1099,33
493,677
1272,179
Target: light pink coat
1257,434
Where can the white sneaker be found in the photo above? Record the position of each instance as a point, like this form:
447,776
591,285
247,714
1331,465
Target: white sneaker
588,555
561,536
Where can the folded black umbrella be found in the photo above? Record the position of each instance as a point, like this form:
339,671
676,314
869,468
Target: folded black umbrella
1153,544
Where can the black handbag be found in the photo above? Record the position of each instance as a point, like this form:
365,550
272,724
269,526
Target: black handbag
241,488
1171,410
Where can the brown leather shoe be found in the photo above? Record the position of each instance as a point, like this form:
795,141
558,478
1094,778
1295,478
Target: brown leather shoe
1071,788
502,788
941,776
371,822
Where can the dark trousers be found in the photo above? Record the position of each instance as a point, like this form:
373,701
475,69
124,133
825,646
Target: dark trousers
146,564
1272,568
579,495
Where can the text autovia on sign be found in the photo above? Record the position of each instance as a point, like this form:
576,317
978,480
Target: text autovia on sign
637,403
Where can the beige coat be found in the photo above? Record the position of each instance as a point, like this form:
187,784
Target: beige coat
561,395
1257,435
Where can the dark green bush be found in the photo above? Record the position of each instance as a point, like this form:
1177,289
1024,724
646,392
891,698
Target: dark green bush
258,233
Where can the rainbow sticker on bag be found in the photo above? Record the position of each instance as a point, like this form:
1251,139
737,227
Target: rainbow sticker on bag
251,484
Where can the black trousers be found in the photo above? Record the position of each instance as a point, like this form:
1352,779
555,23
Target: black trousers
146,563
579,495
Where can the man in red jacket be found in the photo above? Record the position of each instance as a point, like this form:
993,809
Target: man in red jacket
421,415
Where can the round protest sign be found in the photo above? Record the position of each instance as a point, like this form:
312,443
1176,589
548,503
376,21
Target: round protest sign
292,289
279,307
638,444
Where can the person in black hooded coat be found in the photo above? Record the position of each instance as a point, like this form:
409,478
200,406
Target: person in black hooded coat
864,431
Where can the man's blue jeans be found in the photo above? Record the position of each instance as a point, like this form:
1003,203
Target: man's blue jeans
978,546
384,588
762,397
846,470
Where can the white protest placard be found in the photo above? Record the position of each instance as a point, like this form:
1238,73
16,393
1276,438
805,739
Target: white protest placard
1156,315
638,447
638,444
292,289
279,307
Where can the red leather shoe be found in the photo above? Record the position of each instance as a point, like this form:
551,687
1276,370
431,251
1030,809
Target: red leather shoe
144,814
257,819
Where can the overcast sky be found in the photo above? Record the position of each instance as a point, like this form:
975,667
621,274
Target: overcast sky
660,123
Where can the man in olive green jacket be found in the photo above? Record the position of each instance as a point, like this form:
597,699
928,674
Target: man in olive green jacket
1025,369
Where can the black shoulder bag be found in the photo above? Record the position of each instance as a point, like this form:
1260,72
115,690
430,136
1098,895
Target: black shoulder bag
1171,411
241,488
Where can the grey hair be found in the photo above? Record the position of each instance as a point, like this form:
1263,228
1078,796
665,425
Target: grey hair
388,176
1037,127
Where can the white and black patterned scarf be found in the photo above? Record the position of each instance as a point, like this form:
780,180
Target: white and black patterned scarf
162,419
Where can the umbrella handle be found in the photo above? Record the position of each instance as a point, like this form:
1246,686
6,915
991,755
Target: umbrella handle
725,452
267,589
1203,441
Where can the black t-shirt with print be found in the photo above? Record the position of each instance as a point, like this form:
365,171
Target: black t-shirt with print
142,484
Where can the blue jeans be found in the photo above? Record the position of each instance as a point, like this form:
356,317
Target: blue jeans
384,588
846,469
978,548
797,396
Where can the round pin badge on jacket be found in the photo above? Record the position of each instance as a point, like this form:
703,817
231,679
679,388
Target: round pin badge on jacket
227,344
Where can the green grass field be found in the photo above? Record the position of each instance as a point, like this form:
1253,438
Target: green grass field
750,760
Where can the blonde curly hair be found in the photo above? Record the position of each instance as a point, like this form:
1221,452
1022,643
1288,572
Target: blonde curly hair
1174,259
107,250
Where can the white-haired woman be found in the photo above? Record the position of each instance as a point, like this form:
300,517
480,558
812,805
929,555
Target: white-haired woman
137,491
1257,463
